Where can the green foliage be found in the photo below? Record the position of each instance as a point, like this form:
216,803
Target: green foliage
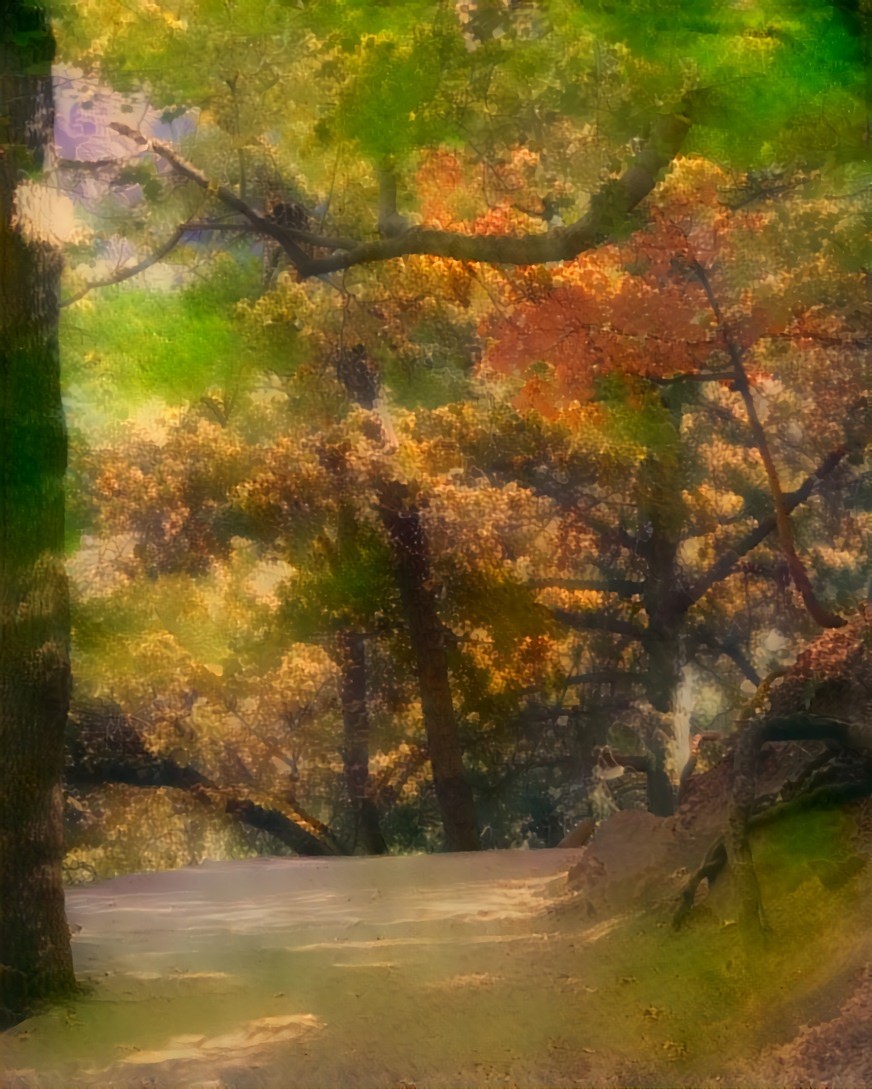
348,582
637,420
396,100
576,468
132,345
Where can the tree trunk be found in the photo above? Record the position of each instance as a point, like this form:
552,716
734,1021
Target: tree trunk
661,511
35,958
355,720
402,520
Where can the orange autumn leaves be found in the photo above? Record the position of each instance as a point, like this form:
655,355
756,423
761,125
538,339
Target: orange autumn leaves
638,307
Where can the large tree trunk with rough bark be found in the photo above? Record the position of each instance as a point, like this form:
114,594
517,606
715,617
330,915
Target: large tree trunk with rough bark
35,958
402,520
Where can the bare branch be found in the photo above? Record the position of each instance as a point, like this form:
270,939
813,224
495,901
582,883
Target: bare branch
607,676
390,222
134,270
607,213
730,648
324,241
597,622
264,225
693,376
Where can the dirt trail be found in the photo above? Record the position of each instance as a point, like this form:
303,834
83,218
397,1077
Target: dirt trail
419,971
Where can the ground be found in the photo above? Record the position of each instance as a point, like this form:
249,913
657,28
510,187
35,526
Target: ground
466,970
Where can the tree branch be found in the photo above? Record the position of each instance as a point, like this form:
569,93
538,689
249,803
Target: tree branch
390,222
134,270
783,525
105,748
733,651
692,376
606,215
324,241
597,622
606,676
297,256
725,566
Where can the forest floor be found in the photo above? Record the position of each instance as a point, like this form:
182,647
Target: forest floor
465,970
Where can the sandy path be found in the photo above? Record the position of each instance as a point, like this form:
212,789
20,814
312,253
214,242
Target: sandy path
415,970
446,972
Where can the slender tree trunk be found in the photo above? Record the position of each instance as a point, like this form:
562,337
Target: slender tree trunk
783,525
661,510
402,520
35,958
355,720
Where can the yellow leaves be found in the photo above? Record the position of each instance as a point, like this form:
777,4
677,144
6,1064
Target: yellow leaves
578,601
710,505
692,183
531,659
304,672
481,523
844,559
286,483
402,771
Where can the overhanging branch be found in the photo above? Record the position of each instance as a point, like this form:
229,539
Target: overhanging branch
264,225
605,217
607,213
597,622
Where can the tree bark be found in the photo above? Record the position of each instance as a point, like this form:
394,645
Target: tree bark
355,720
402,520
35,957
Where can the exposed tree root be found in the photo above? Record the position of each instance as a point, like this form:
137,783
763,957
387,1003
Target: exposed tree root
827,697
822,785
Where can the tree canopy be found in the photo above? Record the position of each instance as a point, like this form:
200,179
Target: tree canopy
496,414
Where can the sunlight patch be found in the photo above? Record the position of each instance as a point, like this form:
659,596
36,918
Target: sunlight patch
251,1036
594,933
174,974
468,979
460,939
